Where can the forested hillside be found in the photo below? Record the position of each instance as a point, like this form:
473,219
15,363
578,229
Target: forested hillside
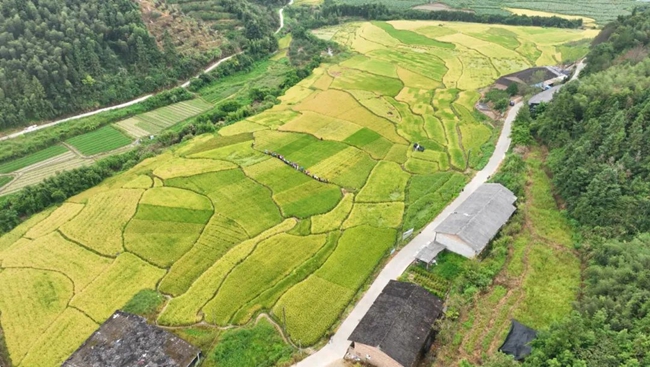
598,131
59,57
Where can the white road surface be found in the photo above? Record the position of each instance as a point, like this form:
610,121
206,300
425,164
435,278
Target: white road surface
339,343
137,100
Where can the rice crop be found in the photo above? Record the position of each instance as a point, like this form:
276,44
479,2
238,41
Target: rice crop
387,182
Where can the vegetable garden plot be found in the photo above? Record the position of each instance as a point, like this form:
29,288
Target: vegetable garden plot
53,252
102,140
33,158
157,120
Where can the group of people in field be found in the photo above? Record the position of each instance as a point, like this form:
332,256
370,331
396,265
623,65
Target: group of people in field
295,166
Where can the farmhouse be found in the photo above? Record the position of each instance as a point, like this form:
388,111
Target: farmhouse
538,76
127,340
469,229
397,329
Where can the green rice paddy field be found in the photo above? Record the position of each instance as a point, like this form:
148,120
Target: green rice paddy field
228,230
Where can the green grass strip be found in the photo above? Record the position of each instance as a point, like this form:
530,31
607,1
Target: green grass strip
28,160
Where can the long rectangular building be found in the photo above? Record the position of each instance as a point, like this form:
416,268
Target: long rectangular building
469,229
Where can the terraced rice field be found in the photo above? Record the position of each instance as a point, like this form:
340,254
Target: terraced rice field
153,122
287,213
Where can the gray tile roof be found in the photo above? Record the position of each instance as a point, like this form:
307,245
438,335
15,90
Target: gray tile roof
429,252
126,340
478,219
545,96
399,321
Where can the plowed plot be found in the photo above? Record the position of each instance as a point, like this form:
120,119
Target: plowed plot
157,120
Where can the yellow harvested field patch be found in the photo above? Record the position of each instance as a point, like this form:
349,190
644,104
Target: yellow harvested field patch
176,198
291,97
240,128
323,83
140,182
61,215
53,252
125,277
31,300
99,225
330,102
321,126
60,340
181,167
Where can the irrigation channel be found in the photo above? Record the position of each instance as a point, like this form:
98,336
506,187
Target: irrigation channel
137,100
338,344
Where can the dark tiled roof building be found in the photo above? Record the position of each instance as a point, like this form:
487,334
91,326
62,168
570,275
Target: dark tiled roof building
126,340
398,327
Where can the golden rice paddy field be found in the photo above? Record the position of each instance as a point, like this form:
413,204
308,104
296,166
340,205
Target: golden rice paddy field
227,229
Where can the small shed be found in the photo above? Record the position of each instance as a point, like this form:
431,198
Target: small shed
429,253
517,343
469,229
126,340
398,327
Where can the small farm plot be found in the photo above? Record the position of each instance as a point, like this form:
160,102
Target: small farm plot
101,140
32,159
157,120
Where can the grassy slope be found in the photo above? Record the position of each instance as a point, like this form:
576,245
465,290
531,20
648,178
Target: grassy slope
537,283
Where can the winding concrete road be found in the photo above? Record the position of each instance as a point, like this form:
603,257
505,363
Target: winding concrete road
137,100
339,343
281,13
